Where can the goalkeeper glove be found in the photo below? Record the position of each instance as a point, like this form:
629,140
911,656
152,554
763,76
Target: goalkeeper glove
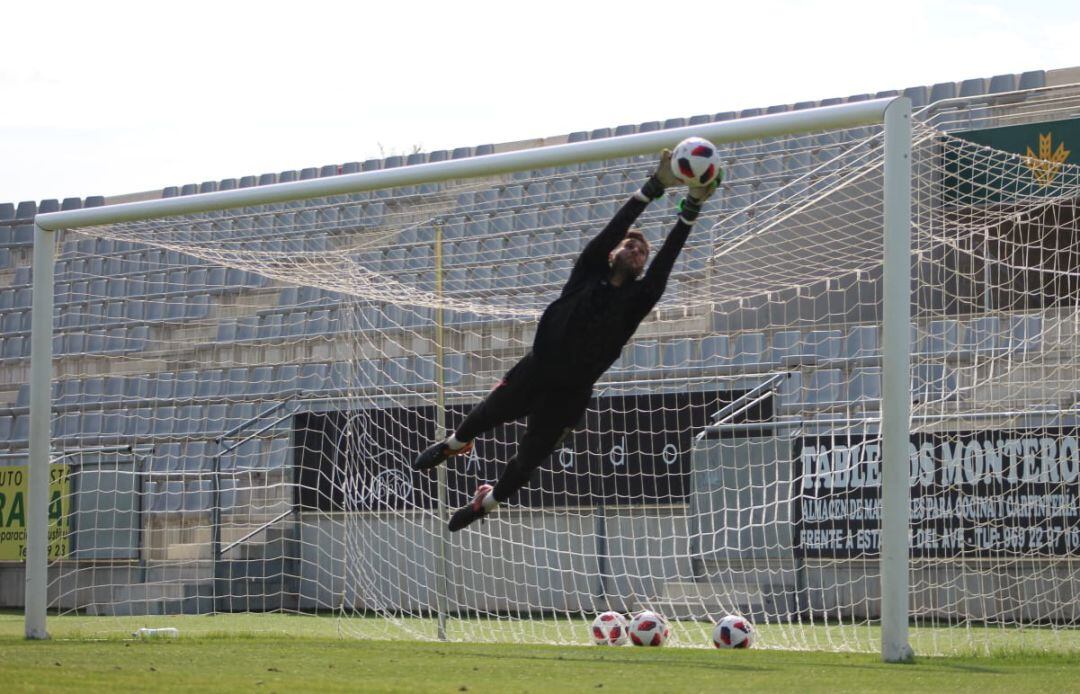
661,179
690,206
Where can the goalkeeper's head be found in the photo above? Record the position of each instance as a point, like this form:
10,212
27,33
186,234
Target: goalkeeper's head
627,260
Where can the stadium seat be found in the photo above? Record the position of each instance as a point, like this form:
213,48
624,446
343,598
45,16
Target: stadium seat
161,387
479,279
933,383
790,389
942,90
1034,79
983,334
312,378
260,380
973,87
748,348
277,453
864,385
198,496
560,190
715,350
174,496
156,500
186,383
211,384
507,276
1024,333
823,387
942,338
170,457
643,355
1002,83
788,348
861,342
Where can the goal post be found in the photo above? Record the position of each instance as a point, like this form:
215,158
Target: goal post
893,114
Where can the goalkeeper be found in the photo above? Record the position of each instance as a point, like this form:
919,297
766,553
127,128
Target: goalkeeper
579,336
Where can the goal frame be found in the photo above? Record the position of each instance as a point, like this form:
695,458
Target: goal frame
894,114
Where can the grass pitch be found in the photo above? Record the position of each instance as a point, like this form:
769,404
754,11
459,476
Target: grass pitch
309,657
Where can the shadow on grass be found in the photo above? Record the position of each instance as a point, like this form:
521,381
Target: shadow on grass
644,658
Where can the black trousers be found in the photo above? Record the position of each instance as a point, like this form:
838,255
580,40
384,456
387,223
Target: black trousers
553,410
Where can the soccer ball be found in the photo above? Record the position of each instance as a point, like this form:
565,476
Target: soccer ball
648,629
696,162
733,631
609,629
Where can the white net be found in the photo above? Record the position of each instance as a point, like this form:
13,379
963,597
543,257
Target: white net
238,397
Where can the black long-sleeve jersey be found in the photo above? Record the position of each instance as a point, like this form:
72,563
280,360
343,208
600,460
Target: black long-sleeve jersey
581,334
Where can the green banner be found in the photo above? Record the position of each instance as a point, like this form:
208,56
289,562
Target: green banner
973,176
14,481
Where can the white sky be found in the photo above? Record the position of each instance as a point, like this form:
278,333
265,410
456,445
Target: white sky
110,97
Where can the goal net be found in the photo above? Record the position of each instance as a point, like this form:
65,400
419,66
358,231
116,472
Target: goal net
238,396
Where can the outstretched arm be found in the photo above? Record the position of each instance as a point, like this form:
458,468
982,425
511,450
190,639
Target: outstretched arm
596,251
656,277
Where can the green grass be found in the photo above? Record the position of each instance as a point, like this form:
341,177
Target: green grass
294,653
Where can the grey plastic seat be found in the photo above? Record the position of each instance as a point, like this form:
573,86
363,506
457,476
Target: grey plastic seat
210,384
479,279
942,337
270,327
506,276
491,249
236,382
942,90
1034,79
215,419
186,383
155,497
983,334
261,380
973,87
861,342
293,324
1002,83
748,348
1024,333
644,355
933,383
161,387
527,219
246,456
198,496
174,496
278,453
824,386
584,188
864,385
318,322
113,388
561,190
679,352
313,377
790,389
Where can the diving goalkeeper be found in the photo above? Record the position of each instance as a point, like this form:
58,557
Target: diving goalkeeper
579,336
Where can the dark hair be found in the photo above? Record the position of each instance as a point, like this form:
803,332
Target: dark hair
636,234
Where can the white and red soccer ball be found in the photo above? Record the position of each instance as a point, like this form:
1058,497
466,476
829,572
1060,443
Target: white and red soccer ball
733,631
649,629
609,629
696,162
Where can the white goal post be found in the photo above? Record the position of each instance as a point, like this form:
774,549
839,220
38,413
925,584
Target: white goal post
893,113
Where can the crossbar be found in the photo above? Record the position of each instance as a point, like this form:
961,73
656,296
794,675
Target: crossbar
848,115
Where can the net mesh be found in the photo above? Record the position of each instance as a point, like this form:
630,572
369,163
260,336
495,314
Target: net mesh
238,396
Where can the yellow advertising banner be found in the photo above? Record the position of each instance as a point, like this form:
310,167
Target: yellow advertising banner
14,481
